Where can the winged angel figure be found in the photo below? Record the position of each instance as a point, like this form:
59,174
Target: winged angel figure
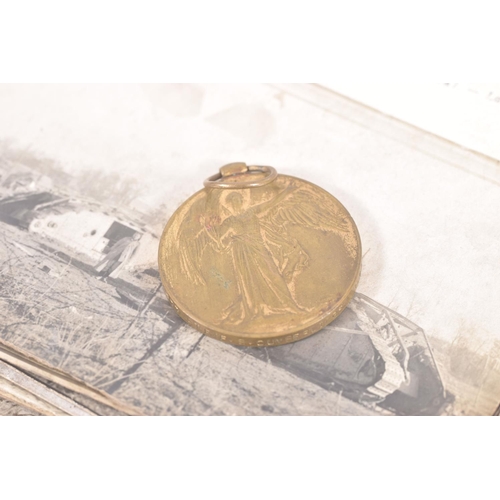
265,258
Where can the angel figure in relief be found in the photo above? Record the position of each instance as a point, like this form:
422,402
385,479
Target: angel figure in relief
265,258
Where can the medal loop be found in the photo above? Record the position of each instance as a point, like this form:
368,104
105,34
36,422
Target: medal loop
227,178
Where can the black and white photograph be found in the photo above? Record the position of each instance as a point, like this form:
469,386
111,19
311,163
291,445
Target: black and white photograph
89,177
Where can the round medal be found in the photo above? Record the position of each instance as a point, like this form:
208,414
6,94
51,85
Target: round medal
259,259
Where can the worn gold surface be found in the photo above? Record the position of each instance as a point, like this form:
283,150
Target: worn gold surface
260,266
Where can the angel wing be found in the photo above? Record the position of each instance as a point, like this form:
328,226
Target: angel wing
195,234
309,209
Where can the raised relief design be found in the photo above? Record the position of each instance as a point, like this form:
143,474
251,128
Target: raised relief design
254,234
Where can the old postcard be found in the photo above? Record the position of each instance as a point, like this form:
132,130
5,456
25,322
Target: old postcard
89,175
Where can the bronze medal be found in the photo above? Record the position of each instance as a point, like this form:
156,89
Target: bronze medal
259,259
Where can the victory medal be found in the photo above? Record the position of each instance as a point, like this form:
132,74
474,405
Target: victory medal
259,259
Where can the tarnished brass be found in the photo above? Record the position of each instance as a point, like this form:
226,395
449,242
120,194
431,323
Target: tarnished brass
259,259
231,177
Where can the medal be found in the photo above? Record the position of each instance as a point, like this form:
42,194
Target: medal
259,259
